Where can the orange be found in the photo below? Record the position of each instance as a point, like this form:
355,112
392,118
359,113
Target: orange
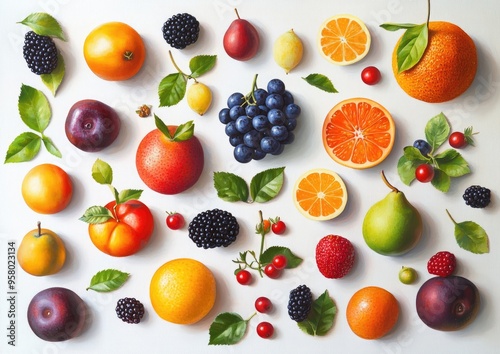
320,194
372,312
41,252
447,68
114,51
358,133
344,39
47,189
182,291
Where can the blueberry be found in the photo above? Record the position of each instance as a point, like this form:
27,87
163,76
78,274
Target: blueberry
224,117
236,111
258,154
252,139
269,144
292,110
263,109
423,146
276,86
243,153
260,122
231,129
290,124
243,124
236,99
289,139
252,110
276,117
260,96
279,132
287,97
274,100
236,140
279,150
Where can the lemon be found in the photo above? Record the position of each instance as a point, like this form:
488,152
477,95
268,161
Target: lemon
288,50
199,98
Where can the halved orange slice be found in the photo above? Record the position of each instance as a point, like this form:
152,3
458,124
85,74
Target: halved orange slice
344,39
358,133
320,194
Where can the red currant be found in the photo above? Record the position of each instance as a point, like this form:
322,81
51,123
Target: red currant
424,173
244,277
370,75
271,271
175,221
457,140
280,261
265,329
263,304
278,227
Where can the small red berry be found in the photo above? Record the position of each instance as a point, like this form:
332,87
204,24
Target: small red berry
263,304
280,261
244,277
371,75
278,227
271,271
265,329
175,221
459,140
442,264
424,173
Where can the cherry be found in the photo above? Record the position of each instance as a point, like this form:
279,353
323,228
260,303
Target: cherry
424,173
278,227
175,221
370,75
243,277
457,140
263,304
271,271
265,329
279,261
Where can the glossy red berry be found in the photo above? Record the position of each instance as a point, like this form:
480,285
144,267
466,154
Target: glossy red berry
280,261
263,304
371,75
271,271
278,227
424,173
457,140
265,329
244,277
175,221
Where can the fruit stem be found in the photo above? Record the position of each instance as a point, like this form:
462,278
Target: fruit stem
262,236
394,189
250,94
175,64
39,226
428,12
237,14
128,55
451,216
249,318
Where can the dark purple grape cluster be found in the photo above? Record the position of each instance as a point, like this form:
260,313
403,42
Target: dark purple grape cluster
261,122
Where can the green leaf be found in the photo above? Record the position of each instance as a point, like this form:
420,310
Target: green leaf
108,280
49,145
102,172
24,148
227,328
452,163
406,169
468,134
412,46
267,256
128,194
230,187
44,24
397,26
34,108
54,79
201,64
163,127
266,185
413,154
441,181
96,215
320,319
320,81
437,130
172,89
184,131
470,236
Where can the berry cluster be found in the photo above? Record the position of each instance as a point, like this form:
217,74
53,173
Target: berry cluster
181,30
129,310
442,264
40,53
213,228
477,196
260,123
299,303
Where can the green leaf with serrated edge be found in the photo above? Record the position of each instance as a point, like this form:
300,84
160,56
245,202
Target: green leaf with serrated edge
201,64
441,181
44,24
406,169
102,172
468,134
172,89
320,81
452,163
163,127
412,46
230,187
437,130
108,280
34,108
96,215
397,26
24,148
54,79
49,145
128,194
413,154
266,185
320,319
184,131
470,236
226,329
267,256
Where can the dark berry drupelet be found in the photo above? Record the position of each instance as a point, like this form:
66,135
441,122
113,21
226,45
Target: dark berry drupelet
299,303
181,30
477,196
213,228
40,53
129,310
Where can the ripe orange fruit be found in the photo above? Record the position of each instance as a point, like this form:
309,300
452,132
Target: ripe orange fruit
344,39
47,189
182,291
372,312
447,68
358,133
41,252
114,51
169,166
320,194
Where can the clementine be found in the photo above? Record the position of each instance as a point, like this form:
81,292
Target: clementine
114,51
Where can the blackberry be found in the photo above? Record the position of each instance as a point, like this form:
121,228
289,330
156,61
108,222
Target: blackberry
40,53
181,30
477,196
299,303
129,310
213,228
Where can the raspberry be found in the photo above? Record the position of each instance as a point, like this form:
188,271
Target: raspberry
213,228
181,30
477,196
442,264
40,53
299,303
334,256
129,310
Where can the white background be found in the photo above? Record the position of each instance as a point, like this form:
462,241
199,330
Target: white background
105,333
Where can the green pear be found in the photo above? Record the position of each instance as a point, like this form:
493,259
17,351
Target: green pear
392,226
